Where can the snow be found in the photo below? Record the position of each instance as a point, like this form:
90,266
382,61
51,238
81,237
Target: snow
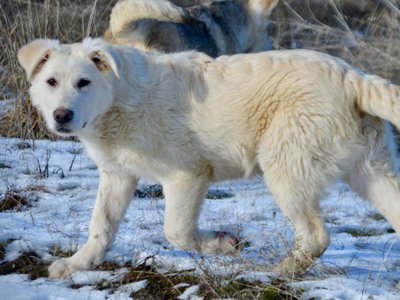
19,287
190,293
362,261
124,291
95,277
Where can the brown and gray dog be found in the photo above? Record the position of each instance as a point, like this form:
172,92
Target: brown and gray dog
212,27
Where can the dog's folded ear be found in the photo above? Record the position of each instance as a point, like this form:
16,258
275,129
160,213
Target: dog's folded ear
104,61
34,55
102,55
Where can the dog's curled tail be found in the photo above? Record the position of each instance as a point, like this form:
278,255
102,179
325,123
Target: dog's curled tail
261,10
375,96
128,11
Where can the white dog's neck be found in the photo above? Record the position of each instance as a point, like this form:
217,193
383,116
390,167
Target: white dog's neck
156,75
148,81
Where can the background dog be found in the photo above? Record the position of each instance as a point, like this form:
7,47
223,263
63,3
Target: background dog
215,28
302,118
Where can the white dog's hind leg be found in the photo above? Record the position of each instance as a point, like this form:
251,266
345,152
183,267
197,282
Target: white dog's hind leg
300,204
375,180
184,196
297,166
113,198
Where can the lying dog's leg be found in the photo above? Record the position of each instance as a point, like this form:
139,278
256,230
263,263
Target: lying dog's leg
184,196
113,198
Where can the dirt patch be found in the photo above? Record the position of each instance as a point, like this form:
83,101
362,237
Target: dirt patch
13,201
364,232
155,191
158,285
27,263
4,166
151,191
170,285
218,195
59,252
2,250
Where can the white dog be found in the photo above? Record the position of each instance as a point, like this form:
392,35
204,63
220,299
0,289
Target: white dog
302,118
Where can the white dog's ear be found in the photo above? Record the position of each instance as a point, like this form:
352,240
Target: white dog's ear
34,55
102,55
105,61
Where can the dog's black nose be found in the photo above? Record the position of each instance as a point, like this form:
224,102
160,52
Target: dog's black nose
63,115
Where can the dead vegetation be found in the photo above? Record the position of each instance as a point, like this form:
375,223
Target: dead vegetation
27,263
13,201
156,284
171,285
22,21
2,250
365,33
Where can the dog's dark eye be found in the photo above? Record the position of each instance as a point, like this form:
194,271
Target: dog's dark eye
52,82
82,83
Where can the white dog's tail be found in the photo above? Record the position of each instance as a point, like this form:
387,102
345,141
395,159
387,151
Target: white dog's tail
375,96
128,11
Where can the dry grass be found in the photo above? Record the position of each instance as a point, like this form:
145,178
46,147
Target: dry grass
369,40
376,50
13,201
159,285
23,21
27,263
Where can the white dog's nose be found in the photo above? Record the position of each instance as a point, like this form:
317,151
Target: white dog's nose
63,115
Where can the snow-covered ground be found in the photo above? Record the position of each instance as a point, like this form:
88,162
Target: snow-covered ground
362,262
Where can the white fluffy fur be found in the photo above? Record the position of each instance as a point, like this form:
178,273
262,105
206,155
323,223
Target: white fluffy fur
302,118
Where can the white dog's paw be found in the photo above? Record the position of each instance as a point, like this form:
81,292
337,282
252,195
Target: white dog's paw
221,242
293,266
229,243
63,268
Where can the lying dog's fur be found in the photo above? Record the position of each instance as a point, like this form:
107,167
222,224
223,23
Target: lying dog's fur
215,28
300,117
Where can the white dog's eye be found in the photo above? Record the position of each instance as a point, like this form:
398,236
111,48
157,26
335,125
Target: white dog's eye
52,82
82,83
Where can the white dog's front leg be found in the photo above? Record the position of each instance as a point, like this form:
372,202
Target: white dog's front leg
113,198
184,194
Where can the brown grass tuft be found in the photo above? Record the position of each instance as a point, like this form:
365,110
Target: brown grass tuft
27,263
370,42
13,201
369,38
24,20
171,284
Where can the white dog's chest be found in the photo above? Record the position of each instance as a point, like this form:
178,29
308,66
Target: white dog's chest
128,161
142,164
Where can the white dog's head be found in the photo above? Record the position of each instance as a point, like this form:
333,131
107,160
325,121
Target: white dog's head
70,84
